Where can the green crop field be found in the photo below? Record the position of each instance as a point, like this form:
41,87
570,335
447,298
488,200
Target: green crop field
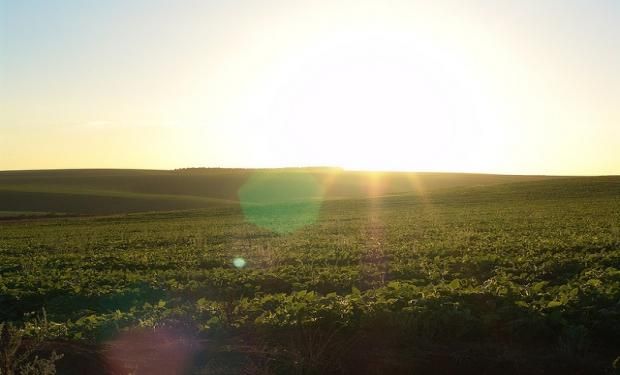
312,271
121,191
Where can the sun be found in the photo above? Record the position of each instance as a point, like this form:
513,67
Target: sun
378,102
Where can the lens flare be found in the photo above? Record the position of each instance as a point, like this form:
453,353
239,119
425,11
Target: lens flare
150,351
239,262
282,202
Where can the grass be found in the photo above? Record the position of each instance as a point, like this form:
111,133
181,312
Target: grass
469,277
11,214
121,191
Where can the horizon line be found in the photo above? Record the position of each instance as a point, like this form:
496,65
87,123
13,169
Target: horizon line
326,167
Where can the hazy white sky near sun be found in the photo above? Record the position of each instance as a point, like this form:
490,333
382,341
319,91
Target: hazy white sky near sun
479,86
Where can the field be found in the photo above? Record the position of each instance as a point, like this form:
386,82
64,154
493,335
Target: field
122,191
313,271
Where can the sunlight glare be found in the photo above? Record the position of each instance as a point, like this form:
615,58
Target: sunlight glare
368,101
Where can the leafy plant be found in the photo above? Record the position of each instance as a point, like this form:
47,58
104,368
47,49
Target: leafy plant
19,355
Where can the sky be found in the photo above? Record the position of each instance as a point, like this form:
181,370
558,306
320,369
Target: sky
517,87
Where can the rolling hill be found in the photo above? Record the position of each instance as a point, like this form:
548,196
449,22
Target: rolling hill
112,191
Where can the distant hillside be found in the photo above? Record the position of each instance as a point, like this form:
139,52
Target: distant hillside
106,191
552,189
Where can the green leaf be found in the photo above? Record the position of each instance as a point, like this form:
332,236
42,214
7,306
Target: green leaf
522,304
538,287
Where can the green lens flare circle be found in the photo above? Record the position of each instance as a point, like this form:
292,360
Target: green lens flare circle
239,262
282,202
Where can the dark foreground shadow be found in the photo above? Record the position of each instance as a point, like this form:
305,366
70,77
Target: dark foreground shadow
484,335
